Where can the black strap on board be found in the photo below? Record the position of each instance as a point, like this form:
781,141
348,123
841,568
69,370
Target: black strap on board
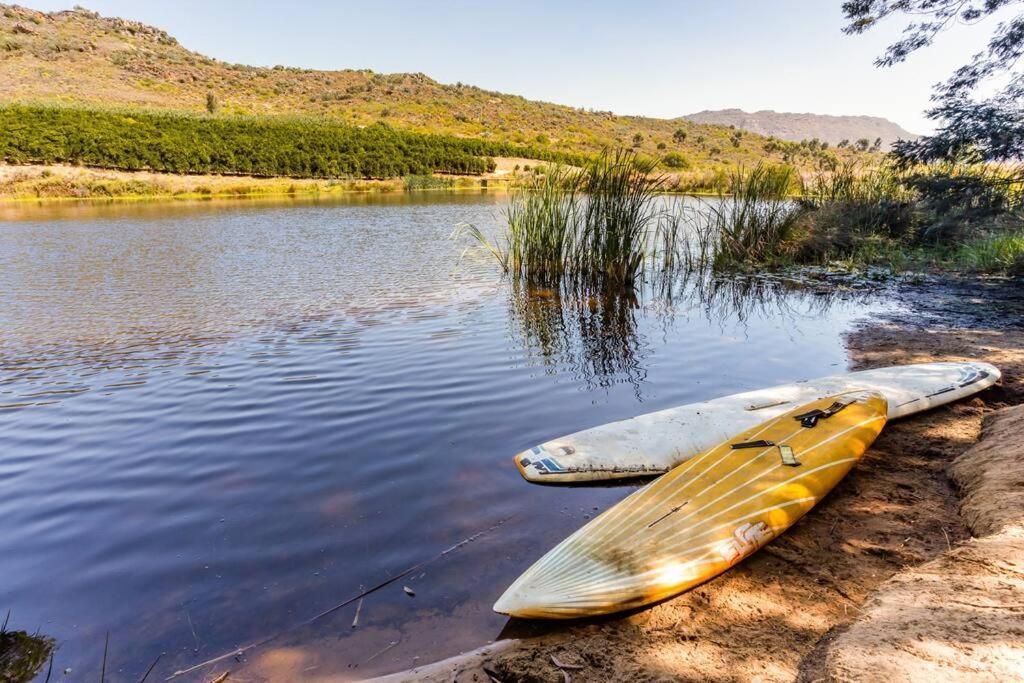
752,444
811,417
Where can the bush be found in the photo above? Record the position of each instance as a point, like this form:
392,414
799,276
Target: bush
959,202
675,160
972,213
849,207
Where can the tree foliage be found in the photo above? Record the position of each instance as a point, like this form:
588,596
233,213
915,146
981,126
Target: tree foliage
988,129
260,146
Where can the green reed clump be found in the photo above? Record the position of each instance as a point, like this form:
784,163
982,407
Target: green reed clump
23,655
542,226
752,223
541,238
617,212
595,224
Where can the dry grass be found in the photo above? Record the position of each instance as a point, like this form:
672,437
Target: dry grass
68,182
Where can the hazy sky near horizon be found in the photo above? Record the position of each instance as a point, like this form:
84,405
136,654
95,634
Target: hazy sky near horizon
655,58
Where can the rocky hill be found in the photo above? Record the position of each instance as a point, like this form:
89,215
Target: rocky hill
797,127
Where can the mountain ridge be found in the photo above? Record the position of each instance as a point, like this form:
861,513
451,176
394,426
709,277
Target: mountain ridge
797,126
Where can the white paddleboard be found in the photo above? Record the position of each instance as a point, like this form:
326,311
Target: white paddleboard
654,443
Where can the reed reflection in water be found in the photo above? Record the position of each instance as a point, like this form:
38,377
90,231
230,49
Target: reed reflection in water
594,329
593,332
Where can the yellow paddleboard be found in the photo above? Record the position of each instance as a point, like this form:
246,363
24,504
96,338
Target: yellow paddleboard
702,517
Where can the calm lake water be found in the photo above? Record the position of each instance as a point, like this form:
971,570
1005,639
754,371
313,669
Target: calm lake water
219,420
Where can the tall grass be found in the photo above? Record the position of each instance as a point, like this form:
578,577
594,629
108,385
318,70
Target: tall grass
870,215
749,225
617,213
850,183
595,224
959,203
993,254
854,212
542,232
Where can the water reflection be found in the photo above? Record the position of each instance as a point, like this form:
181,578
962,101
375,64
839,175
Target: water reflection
742,298
592,331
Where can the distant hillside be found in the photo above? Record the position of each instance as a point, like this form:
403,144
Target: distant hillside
78,57
797,127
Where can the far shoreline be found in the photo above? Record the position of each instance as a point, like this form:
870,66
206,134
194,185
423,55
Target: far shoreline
62,183
57,183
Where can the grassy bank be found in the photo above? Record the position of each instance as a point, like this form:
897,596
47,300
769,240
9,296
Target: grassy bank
59,182
948,217
608,222
257,146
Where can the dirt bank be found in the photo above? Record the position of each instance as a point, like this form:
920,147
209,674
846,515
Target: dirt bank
961,615
812,603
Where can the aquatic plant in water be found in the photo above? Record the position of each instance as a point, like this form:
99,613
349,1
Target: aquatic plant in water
750,223
597,224
23,655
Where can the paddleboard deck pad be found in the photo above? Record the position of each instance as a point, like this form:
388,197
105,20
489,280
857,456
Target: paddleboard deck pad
654,443
704,516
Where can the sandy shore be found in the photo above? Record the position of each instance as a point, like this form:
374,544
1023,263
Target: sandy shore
913,566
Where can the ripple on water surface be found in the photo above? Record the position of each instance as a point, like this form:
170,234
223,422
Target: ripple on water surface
221,419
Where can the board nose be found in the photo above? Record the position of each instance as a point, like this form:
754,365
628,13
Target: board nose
541,464
564,584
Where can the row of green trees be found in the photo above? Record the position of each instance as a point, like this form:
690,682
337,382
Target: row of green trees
261,146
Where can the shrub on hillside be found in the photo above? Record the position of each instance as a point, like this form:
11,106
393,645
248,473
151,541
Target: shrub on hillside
675,160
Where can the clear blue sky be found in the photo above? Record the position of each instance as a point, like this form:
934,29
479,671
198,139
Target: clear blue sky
657,58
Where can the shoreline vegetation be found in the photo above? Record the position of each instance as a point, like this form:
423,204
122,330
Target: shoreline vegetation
606,223
948,217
